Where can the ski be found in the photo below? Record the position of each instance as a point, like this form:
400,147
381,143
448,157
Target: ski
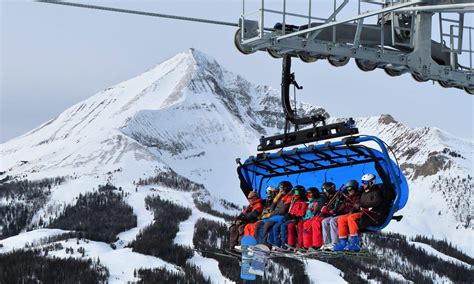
321,254
221,252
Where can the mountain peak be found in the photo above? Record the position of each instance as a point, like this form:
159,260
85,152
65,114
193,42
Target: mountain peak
193,55
201,57
386,119
175,107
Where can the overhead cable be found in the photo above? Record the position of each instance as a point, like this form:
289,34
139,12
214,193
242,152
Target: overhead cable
143,13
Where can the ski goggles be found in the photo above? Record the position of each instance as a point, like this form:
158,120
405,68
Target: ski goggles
297,192
350,187
366,181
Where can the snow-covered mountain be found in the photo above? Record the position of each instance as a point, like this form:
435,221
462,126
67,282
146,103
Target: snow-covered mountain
191,116
188,113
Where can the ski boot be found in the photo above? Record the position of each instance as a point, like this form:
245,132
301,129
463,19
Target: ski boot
302,250
341,245
328,247
354,244
291,248
313,249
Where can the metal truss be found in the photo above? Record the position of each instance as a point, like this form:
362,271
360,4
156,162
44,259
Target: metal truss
400,39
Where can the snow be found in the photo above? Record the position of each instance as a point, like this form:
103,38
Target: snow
396,276
184,237
185,234
19,241
321,272
209,268
144,217
430,250
120,262
421,217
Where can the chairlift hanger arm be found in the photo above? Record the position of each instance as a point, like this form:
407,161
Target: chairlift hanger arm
288,79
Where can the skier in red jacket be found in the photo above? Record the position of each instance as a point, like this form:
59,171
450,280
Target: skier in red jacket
296,212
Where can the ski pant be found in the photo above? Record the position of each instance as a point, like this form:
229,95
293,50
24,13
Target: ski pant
285,234
249,230
301,228
274,234
330,232
262,228
236,233
312,235
347,225
292,226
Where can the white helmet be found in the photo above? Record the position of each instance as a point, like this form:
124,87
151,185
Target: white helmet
270,189
368,179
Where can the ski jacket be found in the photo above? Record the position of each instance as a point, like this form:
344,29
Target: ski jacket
349,204
320,202
310,208
254,209
327,210
298,209
376,204
267,208
276,199
371,198
339,200
282,206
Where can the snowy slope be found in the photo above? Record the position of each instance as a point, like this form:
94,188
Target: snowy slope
191,115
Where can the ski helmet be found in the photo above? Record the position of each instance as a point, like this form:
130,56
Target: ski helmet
251,195
285,185
351,185
368,179
270,189
313,191
329,187
299,190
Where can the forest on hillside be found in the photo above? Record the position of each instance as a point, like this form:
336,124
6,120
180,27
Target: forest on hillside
20,202
99,215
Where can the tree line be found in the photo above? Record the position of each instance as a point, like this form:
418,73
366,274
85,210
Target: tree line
22,200
157,238
29,266
171,179
98,216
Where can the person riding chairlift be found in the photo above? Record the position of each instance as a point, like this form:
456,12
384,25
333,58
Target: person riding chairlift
271,192
349,198
296,230
312,234
285,233
248,215
371,201
280,206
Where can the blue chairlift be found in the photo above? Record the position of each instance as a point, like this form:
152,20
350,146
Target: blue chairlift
338,162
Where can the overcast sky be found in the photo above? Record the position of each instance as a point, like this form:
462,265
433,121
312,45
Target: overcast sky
54,56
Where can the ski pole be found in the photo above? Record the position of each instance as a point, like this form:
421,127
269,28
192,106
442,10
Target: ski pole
365,211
